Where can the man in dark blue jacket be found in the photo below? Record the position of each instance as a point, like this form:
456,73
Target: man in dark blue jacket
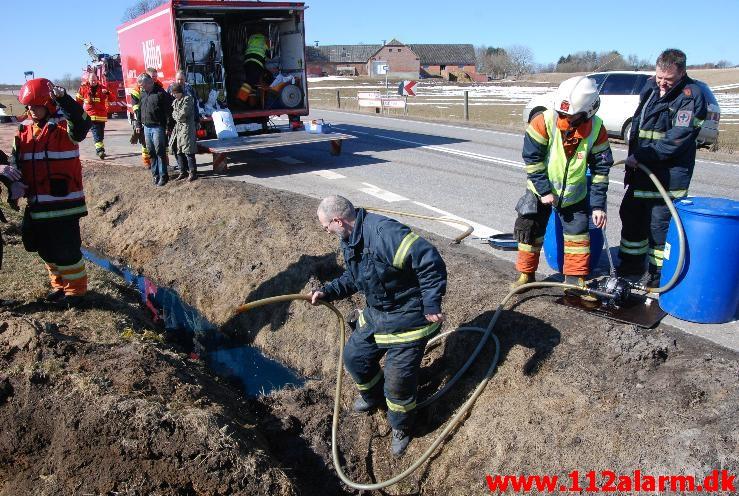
403,279
663,137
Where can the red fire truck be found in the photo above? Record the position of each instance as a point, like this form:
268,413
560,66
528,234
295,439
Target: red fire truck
109,72
207,40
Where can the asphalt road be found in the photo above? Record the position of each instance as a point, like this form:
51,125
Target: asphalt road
433,169
430,168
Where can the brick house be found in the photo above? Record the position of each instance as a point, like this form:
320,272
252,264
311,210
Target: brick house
449,61
401,61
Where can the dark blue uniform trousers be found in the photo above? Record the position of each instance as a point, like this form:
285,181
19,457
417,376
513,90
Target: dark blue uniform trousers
399,380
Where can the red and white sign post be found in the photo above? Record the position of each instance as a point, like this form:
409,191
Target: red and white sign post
407,88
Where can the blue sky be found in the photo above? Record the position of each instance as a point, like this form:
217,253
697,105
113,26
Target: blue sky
46,36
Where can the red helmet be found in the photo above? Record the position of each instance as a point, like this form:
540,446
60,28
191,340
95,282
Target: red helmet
37,92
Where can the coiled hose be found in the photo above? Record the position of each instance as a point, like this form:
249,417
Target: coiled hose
678,225
487,333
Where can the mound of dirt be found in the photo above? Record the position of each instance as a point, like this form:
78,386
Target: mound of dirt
572,391
86,411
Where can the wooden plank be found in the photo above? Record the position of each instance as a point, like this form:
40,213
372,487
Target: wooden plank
258,141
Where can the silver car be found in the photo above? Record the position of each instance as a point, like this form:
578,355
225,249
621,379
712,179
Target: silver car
619,98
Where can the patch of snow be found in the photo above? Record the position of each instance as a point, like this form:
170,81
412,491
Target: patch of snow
346,87
725,87
329,78
729,103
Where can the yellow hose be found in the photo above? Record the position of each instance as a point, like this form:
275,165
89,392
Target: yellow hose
487,334
341,327
678,225
456,241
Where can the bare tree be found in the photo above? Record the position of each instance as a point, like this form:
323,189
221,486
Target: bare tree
141,7
71,84
520,60
480,56
637,64
550,67
610,61
591,61
499,62
492,61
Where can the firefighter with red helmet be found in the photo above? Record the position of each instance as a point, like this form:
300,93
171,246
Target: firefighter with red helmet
93,97
46,151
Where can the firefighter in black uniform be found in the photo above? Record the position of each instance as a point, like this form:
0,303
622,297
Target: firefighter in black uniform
403,279
663,137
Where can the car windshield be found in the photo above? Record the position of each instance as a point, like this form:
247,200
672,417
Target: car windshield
598,78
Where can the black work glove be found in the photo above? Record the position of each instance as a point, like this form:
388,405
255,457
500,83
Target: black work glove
523,230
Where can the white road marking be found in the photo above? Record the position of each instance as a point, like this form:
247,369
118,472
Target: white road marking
382,194
289,160
472,155
614,146
434,124
327,174
717,163
480,230
452,151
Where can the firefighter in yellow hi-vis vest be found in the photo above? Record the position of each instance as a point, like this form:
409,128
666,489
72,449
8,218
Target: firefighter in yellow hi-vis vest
255,72
560,145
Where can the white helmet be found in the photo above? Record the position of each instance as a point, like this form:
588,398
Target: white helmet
577,94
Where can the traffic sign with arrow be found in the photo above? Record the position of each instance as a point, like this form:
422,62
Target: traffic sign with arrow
407,88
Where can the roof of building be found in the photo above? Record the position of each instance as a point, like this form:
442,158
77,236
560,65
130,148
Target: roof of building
448,54
429,54
351,54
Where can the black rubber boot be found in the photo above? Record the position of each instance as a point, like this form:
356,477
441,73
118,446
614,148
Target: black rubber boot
55,295
399,442
363,406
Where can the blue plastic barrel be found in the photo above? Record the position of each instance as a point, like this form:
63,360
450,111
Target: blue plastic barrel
554,243
708,288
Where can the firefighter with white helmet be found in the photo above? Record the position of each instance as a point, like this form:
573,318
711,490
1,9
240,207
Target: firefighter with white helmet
560,146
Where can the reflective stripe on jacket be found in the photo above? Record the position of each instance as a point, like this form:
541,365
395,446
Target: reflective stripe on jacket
401,275
663,137
94,100
555,167
256,49
49,159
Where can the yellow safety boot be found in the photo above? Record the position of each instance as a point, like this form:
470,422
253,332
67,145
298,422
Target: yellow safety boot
523,278
578,281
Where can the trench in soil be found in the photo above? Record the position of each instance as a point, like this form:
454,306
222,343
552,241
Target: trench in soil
224,356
